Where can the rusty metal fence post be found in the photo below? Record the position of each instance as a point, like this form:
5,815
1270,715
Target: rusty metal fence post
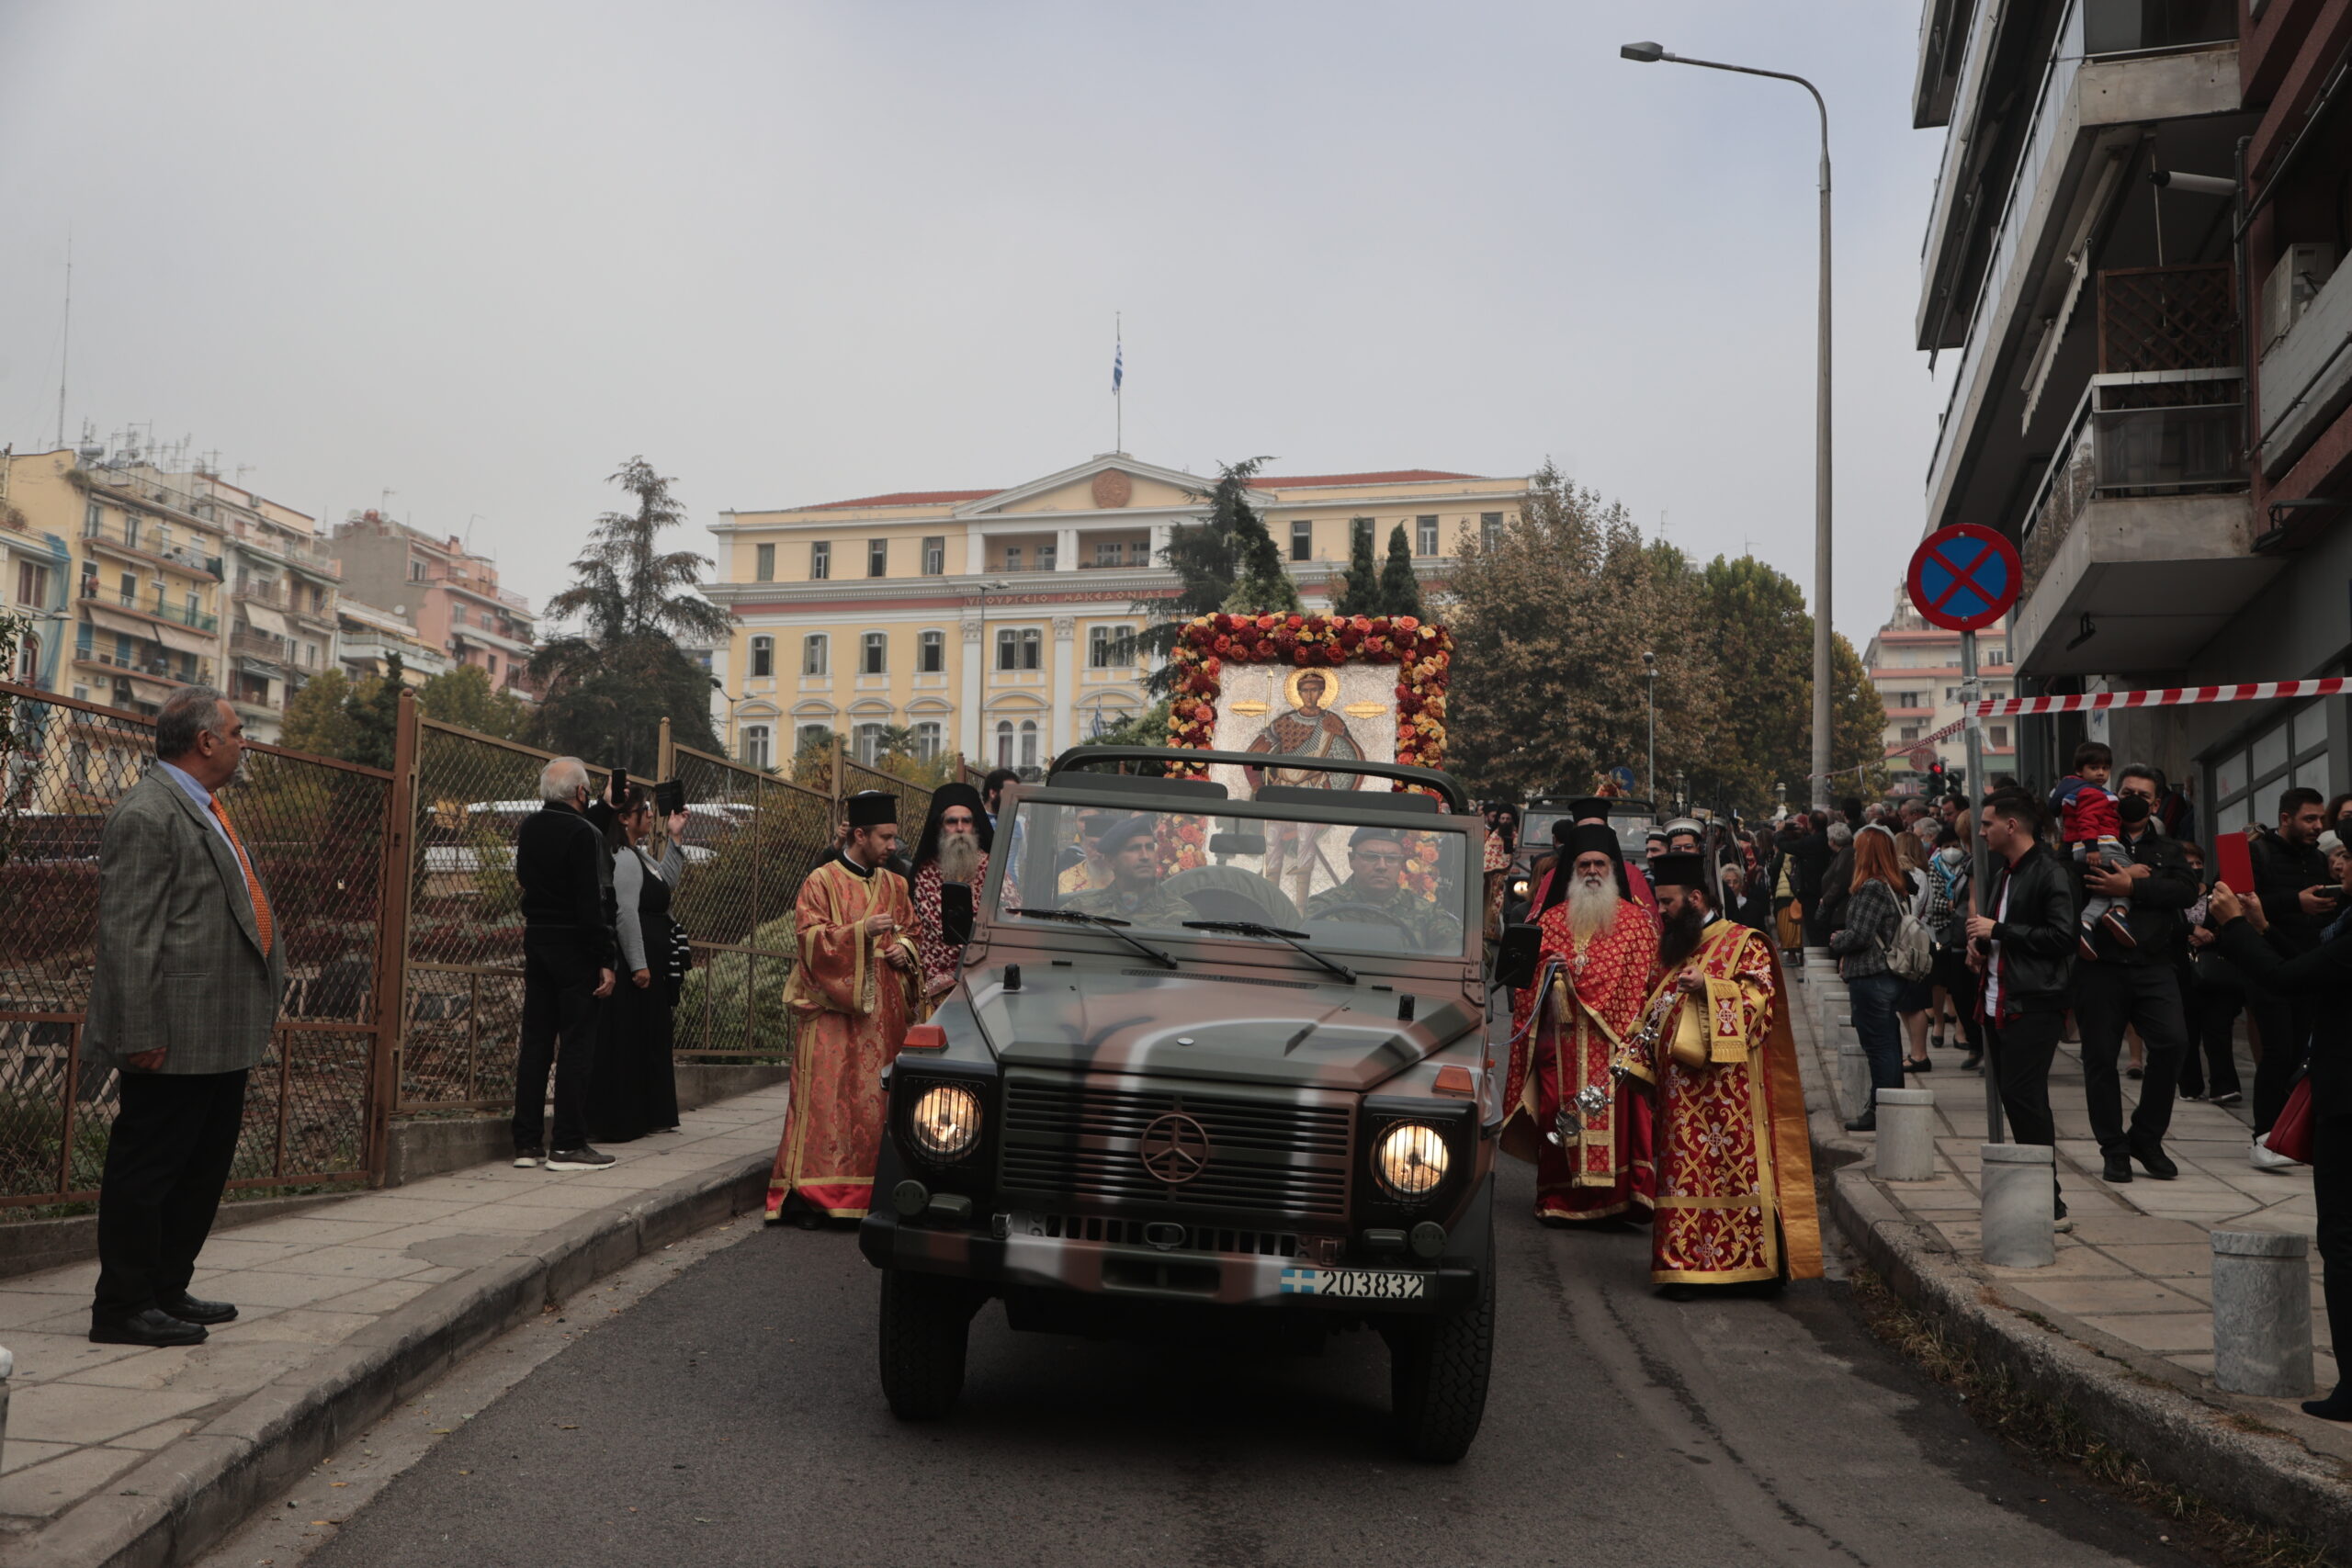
391,951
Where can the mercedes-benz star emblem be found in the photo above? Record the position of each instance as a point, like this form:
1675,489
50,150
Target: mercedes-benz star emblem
1175,1149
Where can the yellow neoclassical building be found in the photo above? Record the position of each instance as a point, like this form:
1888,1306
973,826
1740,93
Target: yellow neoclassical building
989,622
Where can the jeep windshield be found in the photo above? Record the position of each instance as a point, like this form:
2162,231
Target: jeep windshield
1394,884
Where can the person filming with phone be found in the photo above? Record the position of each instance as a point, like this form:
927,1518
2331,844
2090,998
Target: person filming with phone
2298,897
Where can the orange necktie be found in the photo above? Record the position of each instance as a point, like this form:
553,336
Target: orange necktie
253,883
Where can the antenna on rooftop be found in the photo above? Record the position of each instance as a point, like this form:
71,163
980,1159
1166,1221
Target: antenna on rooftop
65,339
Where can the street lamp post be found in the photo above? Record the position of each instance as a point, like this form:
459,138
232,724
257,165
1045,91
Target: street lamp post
1649,673
988,659
1650,54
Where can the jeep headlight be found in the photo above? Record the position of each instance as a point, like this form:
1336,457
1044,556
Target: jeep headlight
1410,1159
946,1122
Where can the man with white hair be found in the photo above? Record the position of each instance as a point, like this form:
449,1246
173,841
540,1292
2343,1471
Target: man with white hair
568,957
1590,1144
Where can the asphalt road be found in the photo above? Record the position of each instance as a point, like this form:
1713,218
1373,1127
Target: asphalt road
731,1415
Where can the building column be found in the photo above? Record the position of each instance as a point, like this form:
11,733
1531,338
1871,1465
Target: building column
1159,541
1064,725
972,731
1065,549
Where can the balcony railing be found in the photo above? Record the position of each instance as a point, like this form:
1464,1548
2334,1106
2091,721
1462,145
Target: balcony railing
152,604
258,645
150,666
2147,432
146,544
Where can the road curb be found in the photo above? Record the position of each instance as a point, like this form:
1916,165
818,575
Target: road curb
189,1497
2221,1448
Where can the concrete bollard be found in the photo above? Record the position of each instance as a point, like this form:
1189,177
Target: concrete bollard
2021,1204
1853,1078
1907,1134
8,1369
2262,1314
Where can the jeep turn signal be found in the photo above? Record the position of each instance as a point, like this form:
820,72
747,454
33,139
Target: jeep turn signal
924,1037
1452,1078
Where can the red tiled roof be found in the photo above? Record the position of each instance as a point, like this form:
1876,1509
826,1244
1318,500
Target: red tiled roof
1262,482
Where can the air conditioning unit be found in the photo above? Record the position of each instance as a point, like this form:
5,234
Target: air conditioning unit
2288,292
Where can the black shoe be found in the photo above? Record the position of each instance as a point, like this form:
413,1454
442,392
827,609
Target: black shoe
1866,1123
2336,1406
2090,954
2135,1074
530,1158
1924,1065
581,1158
2227,1097
1935,1041
2118,1167
2151,1155
188,1309
1972,1063
152,1326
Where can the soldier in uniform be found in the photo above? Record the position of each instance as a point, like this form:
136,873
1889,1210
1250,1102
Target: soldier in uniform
1376,880
1132,852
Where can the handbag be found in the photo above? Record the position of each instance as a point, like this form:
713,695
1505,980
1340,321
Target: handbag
2292,1133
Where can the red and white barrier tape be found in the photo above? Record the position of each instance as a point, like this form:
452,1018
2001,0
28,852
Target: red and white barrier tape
2162,697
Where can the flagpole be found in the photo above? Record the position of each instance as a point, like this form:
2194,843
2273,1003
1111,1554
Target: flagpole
1118,383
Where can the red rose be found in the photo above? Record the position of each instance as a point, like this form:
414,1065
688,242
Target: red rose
1406,623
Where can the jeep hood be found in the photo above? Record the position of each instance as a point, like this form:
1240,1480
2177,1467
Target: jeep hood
1300,1032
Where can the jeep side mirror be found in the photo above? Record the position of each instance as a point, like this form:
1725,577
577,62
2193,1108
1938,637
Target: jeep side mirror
956,912
1516,955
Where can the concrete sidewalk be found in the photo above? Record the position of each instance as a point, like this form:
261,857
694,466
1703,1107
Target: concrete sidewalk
117,1454
2119,1328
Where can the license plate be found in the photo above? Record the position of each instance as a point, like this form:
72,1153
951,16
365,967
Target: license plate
1355,1284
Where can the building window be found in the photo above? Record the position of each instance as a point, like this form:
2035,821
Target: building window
755,745
763,563
93,519
1110,552
29,660
127,588
1359,533
1490,529
866,741
130,521
935,557
1302,540
813,657
1110,648
415,571
763,658
876,659
1019,647
2290,754
1012,557
1047,556
32,583
820,561
1996,654
930,652
1425,535
1909,732
1028,743
1005,743
811,737
2000,736
928,740
878,557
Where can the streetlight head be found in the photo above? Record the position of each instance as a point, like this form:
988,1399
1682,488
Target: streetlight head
1647,54
1649,659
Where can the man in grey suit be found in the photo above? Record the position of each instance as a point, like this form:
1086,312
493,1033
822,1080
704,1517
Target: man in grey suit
186,993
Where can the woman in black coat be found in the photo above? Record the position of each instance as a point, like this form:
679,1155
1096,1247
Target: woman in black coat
634,1088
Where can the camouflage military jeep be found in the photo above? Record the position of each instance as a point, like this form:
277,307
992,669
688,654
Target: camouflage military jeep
1228,1072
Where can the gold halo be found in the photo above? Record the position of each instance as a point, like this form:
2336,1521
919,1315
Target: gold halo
1331,685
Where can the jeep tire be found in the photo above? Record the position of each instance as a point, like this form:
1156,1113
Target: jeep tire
925,1324
1437,1374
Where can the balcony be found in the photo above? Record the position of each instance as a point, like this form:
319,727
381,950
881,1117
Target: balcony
2307,377
258,646
152,604
2138,543
142,546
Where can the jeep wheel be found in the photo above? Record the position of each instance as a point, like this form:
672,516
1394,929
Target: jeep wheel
1437,1375
925,1322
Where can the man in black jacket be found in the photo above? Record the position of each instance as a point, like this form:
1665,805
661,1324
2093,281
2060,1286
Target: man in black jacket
2290,878
2025,952
2320,978
568,956
1812,852
2135,986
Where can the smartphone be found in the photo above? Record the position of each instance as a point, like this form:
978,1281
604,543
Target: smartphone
620,788
2233,864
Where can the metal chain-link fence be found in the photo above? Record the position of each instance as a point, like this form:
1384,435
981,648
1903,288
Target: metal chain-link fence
314,830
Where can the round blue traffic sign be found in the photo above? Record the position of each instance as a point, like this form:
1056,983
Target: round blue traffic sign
1965,578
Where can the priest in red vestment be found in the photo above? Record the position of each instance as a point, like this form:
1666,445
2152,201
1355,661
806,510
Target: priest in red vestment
1590,1143
1733,1164
855,982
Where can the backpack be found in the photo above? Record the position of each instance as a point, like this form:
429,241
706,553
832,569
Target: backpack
1942,902
1912,954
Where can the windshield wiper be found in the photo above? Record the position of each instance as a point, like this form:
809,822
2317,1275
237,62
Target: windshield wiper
1251,928
1117,928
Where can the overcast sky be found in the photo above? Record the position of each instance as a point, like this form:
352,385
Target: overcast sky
479,255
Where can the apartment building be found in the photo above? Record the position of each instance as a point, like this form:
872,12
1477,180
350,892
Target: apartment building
36,578
283,588
366,638
992,621
2084,263
445,593
1916,668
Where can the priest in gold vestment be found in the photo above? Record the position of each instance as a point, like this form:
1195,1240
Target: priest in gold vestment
854,981
1733,1165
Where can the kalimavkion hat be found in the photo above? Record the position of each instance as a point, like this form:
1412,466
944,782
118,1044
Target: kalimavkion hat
1591,839
1587,806
872,808
1678,871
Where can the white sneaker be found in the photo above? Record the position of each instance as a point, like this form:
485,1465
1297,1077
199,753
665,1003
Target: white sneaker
2263,1159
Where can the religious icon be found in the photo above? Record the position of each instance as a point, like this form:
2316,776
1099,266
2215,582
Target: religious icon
1307,728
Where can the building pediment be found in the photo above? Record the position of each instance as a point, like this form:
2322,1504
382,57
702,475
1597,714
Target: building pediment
1111,482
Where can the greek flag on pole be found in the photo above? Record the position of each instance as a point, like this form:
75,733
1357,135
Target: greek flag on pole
1118,367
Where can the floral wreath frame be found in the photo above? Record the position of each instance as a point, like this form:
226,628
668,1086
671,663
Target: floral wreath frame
1422,652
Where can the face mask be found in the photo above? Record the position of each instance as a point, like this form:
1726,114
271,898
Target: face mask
2134,808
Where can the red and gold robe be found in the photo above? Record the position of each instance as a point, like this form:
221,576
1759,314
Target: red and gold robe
849,1008
1734,1163
1586,1003
940,956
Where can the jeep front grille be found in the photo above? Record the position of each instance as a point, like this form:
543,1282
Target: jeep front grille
1072,1138
1197,1238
